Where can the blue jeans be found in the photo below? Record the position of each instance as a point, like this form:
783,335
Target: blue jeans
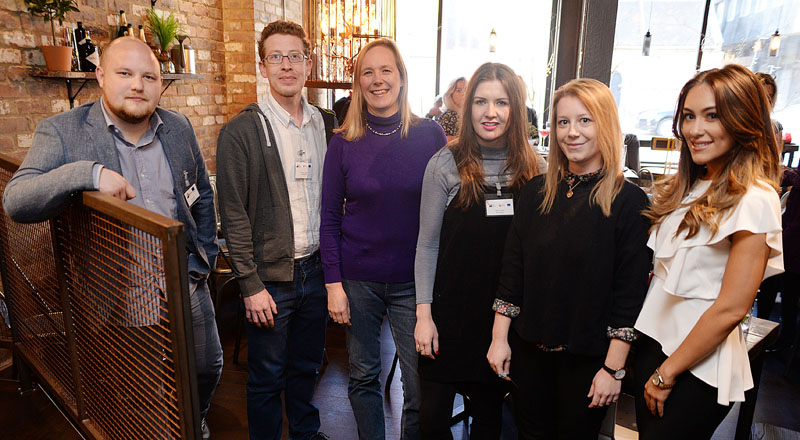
286,358
369,302
207,348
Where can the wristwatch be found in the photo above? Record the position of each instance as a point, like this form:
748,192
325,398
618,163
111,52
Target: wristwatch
658,381
618,374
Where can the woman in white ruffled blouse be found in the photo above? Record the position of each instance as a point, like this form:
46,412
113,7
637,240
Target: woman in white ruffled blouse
716,234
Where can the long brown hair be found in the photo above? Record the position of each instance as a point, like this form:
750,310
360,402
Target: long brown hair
743,110
355,121
521,160
597,98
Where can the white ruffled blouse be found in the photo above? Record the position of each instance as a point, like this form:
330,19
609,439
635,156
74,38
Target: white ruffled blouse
687,277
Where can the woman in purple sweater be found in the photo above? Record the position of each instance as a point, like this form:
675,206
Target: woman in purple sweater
371,187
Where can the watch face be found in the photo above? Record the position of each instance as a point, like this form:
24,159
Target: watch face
619,374
655,380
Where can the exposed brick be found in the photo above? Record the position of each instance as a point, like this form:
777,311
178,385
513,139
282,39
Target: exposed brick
192,100
7,143
24,140
18,73
11,91
18,38
10,56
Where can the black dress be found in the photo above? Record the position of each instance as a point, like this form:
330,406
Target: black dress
467,273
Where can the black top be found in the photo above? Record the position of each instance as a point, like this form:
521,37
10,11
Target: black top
575,272
467,273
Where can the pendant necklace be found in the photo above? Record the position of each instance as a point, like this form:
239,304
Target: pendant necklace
384,134
569,191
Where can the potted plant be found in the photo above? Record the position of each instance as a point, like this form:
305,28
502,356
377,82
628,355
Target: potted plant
165,29
56,57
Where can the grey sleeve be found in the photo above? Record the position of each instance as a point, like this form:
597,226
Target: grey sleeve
437,184
41,187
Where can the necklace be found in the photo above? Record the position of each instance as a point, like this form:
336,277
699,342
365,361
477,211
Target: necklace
573,180
569,191
385,134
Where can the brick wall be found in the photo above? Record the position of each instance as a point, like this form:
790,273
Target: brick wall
223,32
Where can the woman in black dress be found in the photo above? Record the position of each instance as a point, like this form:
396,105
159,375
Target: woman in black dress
467,204
574,274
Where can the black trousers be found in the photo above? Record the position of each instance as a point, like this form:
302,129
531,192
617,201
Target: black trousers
485,406
691,410
550,395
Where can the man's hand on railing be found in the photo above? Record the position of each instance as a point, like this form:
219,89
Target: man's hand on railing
113,184
260,308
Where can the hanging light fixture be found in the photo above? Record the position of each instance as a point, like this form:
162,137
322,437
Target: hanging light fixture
774,44
493,41
648,37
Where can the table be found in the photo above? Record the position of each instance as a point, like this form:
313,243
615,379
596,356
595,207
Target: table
762,334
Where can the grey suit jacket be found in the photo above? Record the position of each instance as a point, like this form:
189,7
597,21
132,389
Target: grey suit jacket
66,147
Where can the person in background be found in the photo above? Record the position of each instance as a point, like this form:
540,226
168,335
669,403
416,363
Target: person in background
436,110
716,235
107,145
371,186
269,179
771,88
453,102
460,248
574,276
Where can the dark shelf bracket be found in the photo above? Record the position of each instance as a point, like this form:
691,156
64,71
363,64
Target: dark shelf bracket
71,95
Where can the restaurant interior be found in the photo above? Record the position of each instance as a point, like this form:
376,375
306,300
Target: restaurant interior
644,50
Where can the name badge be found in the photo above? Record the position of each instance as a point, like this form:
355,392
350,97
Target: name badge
499,206
302,170
191,195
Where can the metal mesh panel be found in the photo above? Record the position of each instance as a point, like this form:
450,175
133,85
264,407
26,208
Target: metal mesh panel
37,307
101,317
115,277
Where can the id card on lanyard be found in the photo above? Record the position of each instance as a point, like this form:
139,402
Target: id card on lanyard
499,204
302,163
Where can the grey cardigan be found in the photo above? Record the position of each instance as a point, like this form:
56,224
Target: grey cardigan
254,201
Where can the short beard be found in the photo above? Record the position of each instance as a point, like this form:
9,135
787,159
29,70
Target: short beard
130,118
126,116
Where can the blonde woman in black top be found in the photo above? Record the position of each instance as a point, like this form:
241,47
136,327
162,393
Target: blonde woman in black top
574,274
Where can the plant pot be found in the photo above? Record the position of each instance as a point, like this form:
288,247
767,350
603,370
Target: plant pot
58,58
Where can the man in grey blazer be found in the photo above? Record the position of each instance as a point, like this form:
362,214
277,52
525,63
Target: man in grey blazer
125,146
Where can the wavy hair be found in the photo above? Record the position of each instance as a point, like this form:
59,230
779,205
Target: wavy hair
597,98
283,27
767,80
447,98
521,160
743,110
356,119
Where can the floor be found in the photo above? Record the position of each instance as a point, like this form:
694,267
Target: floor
778,409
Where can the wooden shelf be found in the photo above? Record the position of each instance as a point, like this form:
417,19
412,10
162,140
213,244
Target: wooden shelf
84,77
91,75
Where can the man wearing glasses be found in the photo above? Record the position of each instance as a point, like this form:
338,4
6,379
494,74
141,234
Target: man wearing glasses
269,175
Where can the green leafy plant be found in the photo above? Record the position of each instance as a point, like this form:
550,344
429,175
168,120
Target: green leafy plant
165,28
51,10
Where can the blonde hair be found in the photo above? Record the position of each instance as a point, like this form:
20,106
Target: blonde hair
521,160
597,98
354,123
447,98
743,109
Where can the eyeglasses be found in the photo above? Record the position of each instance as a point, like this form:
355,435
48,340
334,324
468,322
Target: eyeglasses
294,58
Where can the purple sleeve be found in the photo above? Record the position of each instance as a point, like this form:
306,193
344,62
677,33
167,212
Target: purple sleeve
332,210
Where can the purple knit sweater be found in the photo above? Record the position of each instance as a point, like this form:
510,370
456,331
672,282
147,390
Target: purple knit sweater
378,182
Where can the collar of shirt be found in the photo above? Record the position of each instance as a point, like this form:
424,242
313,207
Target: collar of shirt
281,115
155,124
